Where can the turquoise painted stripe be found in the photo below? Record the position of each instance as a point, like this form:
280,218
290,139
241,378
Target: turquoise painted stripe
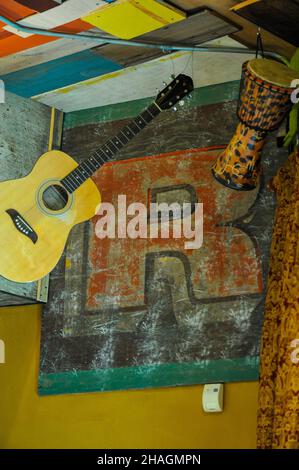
150,376
200,96
58,73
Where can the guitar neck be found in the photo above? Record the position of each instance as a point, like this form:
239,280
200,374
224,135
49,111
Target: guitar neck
107,151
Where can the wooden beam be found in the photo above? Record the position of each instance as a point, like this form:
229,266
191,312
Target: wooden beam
243,4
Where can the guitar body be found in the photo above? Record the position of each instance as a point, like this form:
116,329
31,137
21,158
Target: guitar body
37,215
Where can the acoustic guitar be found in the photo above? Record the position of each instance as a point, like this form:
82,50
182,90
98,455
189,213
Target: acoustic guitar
37,212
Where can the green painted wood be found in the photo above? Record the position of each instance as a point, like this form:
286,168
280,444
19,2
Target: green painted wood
218,93
159,375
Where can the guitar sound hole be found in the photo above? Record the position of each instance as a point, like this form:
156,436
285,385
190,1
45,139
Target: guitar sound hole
55,197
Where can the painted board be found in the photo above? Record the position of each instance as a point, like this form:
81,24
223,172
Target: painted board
42,54
58,73
57,16
14,10
128,19
24,130
196,29
144,80
11,43
43,74
129,314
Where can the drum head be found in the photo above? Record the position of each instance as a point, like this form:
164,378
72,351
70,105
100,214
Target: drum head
273,72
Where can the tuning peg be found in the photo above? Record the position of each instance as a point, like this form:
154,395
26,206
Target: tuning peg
172,76
175,108
164,83
181,102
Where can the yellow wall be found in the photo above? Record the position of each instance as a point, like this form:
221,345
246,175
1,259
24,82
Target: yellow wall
156,418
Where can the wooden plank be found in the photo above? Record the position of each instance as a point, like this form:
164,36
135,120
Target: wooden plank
219,93
143,80
24,135
130,18
12,10
198,28
61,14
12,293
55,74
58,73
14,43
41,54
247,35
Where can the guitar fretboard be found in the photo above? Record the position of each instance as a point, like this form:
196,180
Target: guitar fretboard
107,152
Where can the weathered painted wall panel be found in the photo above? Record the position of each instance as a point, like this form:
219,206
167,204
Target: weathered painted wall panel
123,320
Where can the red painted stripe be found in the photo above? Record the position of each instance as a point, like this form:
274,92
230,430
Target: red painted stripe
13,11
4,34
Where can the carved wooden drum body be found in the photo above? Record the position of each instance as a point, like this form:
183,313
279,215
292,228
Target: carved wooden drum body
264,101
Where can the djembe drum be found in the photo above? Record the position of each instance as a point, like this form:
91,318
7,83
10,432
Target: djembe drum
264,101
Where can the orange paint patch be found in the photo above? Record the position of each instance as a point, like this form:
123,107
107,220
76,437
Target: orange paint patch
14,43
226,265
14,11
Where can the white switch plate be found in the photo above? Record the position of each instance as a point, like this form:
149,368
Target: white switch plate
212,398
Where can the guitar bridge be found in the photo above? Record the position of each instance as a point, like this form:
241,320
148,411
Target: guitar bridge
21,225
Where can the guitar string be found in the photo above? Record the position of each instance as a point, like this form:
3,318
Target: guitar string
157,109
74,177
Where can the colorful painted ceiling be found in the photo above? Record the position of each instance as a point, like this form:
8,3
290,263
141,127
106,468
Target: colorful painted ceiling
72,73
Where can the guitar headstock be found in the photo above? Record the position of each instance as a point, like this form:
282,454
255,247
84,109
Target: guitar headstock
180,87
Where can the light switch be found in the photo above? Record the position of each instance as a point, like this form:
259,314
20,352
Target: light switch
212,398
